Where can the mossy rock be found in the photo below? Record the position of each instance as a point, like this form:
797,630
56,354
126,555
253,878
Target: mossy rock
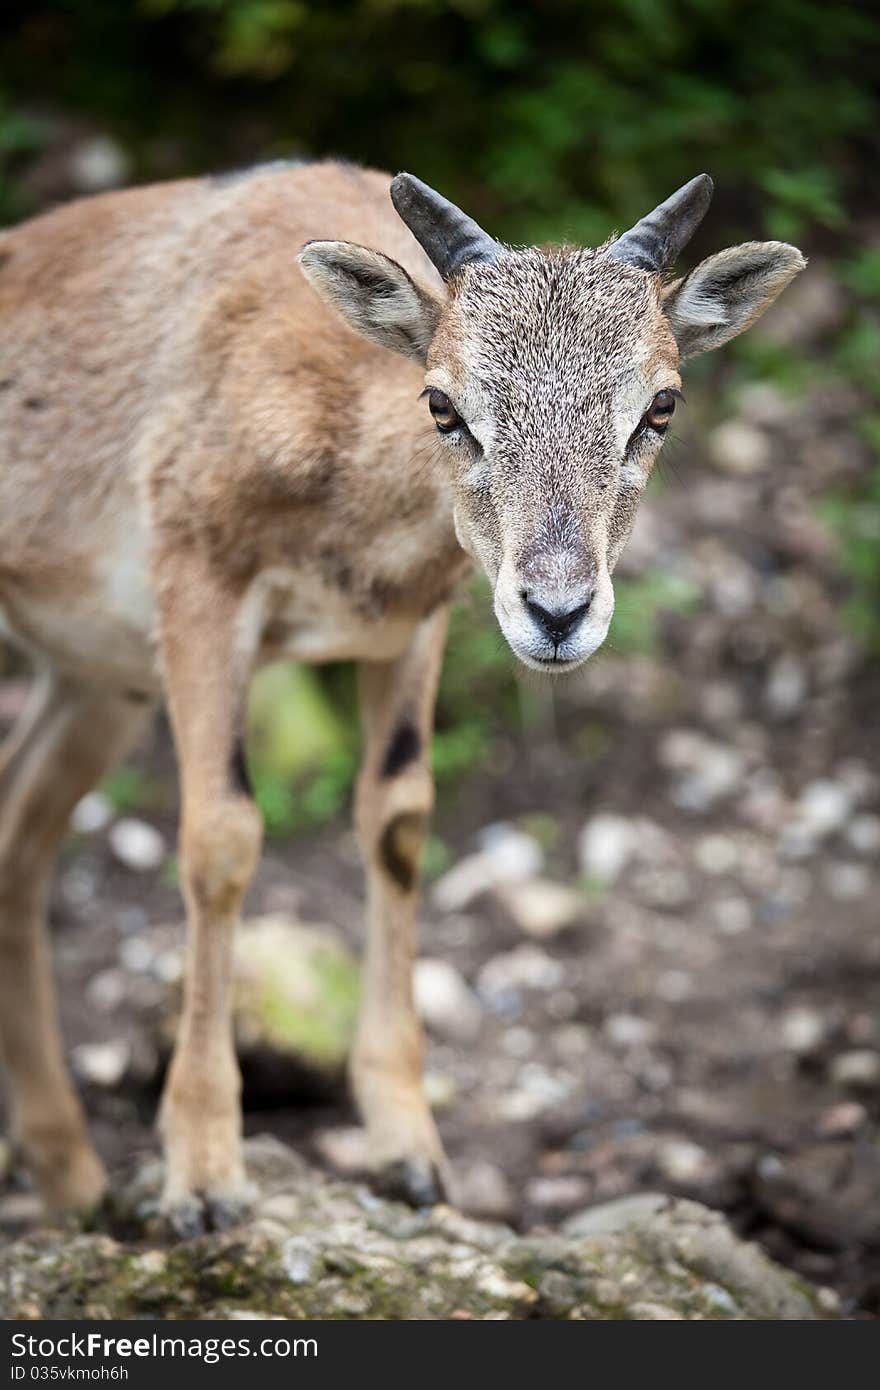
318,1249
296,993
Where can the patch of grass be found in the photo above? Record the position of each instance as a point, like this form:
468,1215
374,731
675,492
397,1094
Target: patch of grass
129,789
640,604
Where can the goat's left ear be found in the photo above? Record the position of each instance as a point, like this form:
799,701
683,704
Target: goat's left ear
725,294
374,295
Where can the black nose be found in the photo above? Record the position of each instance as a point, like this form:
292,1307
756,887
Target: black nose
558,626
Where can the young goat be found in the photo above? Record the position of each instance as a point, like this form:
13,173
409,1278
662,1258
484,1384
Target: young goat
203,468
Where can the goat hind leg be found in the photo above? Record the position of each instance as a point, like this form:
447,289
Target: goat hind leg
64,743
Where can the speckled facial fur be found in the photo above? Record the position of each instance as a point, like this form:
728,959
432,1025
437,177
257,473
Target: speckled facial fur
541,367
551,359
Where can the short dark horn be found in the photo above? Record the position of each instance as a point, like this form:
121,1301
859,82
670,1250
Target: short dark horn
449,238
656,242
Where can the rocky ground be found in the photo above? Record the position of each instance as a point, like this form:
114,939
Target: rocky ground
652,960
319,1250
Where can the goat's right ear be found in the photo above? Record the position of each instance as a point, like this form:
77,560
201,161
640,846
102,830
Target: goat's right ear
373,294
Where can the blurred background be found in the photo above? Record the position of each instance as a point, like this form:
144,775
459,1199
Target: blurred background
650,951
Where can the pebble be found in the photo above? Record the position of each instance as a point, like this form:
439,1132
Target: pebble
344,1148
539,907
786,687
628,1030
674,986
847,882
298,1259
682,1161
615,1215
445,1001
137,845
863,833
802,1031
102,1064
732,915
607,843
107,990
840,1121
525,967
665,888
716,854
738,447
441,1089
482,1189
99,163
557,1192
708,771
92,814
824,807
858,1070
506,855
518,1041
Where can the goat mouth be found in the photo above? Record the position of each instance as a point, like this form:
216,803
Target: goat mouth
552,665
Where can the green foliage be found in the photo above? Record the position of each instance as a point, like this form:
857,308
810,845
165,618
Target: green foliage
639,606
572,116
856,521
129,789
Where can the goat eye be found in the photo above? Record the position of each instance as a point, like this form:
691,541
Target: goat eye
446,417
660,411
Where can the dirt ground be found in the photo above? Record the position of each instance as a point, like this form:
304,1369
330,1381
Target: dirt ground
708,1024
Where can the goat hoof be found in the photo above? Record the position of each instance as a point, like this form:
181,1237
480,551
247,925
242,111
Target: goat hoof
186,1220
416,1181
198,1215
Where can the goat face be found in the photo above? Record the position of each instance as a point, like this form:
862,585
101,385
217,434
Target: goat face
551,377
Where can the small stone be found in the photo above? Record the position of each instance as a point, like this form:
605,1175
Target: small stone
107,990
707,771
802,1031
863,833
616,1215
824,807
518,1041
666,888
738,447
674,986
507,855
515,855
716,854
829,1301
628,1030
847,882
137,846
539,907
840,1121
345,1148
606,846
682,1161
102,1064
858,1070
298,1259
786,687
557,1193
732,915
100,163
644,1310
136,955
440,1089
481,1189
445,1001
525,967
91,814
